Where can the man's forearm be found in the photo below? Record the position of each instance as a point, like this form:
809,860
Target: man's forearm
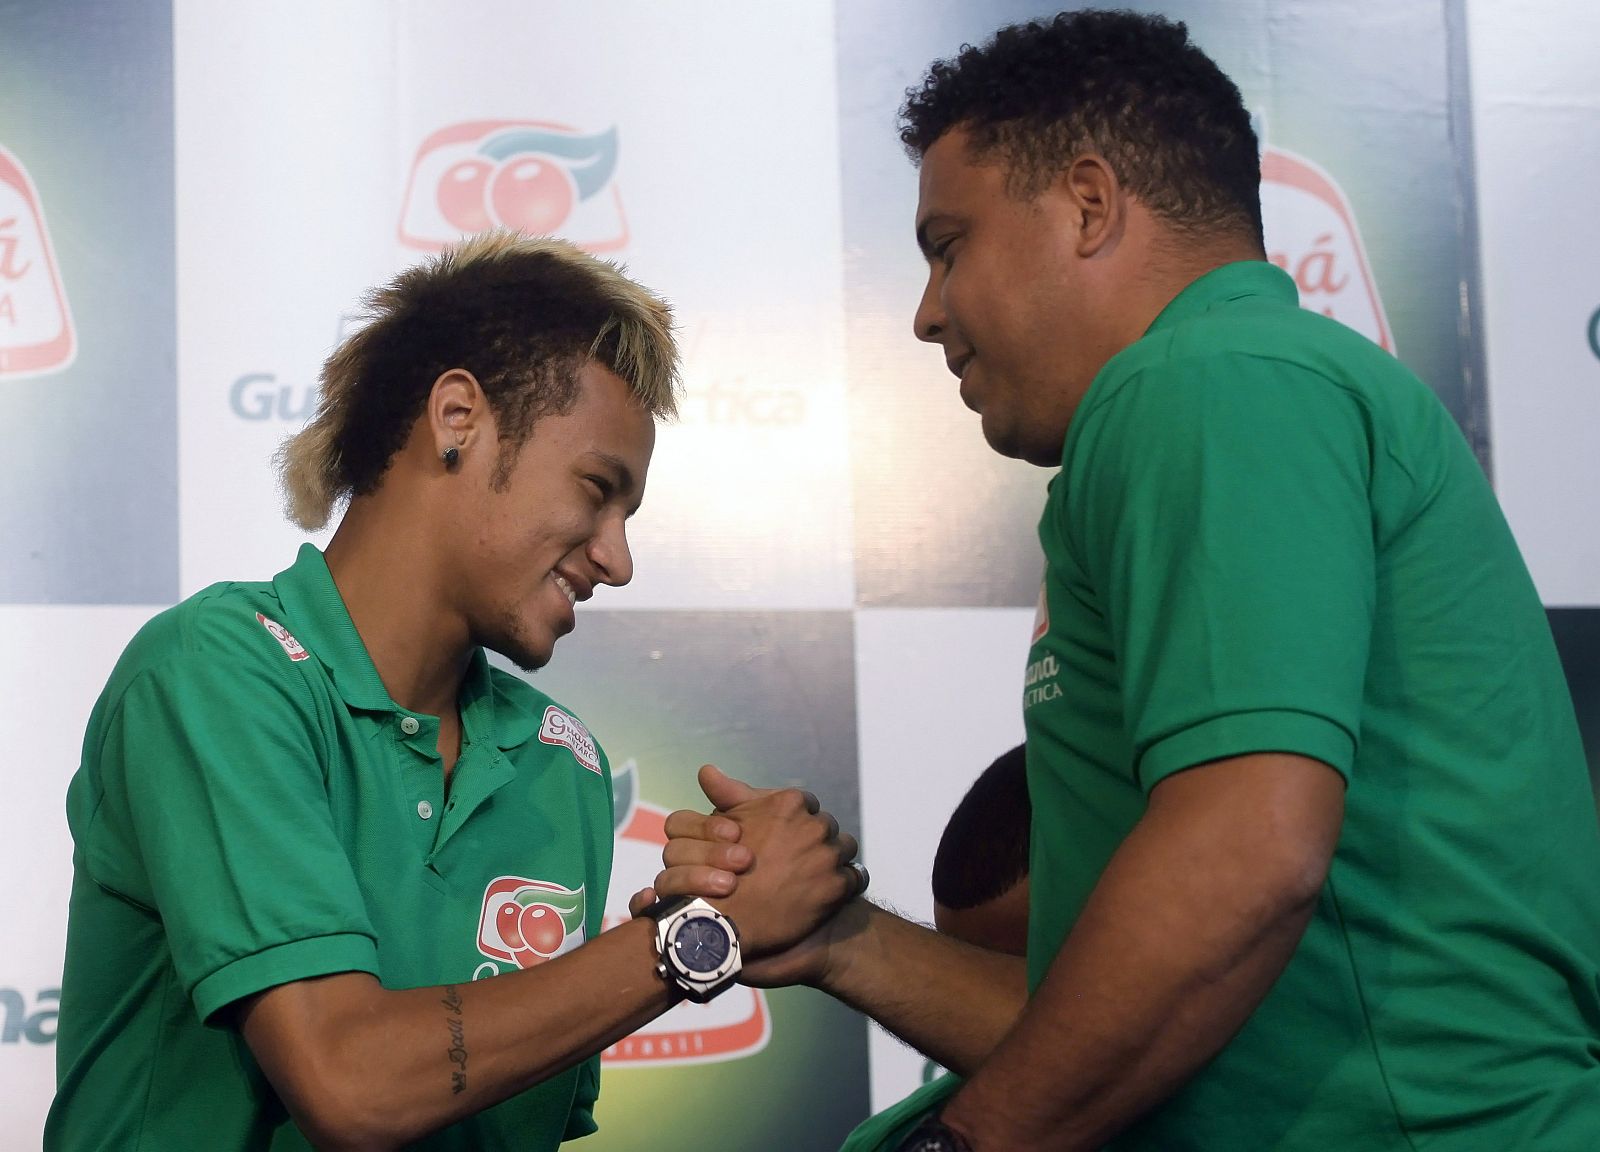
361,1066
1196,916
947,999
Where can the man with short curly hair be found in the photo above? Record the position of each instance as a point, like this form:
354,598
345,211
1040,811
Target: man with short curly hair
1314,856
312,819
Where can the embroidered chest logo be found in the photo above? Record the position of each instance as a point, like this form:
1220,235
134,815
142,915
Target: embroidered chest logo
281,634
568,731
526,922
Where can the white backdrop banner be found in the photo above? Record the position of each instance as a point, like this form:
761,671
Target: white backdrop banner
835,576
1536,126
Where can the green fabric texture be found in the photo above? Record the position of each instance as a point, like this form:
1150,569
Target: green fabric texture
252,809
1268,535
883,1131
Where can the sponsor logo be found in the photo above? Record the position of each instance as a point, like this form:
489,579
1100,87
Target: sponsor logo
568,731
738,1022
282,636
1312,235
719,393
1041,616
259,396
1040,684
541,178
36,333
262,396
22,1023
734,401
526,922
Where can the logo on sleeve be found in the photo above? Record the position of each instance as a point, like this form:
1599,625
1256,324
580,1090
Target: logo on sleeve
526,922
282,636
568,731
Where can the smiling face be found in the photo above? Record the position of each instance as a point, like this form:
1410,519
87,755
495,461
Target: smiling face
535,544
1008,298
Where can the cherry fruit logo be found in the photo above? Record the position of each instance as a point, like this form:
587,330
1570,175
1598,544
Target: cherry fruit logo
530,175
526,922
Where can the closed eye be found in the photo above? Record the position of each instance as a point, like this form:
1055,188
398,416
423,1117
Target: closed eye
602,486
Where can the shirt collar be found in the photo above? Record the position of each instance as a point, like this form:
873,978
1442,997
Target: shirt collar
1225,285
319,620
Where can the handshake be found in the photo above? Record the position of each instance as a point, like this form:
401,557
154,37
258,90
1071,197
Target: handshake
772,862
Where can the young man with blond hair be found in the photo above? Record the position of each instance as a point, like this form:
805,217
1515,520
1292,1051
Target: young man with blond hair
311,816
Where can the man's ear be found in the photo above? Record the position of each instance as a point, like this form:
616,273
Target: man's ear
1097,201
458,413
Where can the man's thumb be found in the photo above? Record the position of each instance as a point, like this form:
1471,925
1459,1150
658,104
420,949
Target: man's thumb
723,790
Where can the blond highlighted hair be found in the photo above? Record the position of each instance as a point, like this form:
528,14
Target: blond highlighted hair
522,313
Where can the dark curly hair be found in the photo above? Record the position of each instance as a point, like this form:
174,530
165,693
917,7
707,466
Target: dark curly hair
522,313
984,850
1130,87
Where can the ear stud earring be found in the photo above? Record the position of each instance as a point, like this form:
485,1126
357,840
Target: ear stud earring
451,457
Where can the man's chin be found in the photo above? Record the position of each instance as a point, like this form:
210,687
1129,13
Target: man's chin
1003,440
1011,443
526,663
526,656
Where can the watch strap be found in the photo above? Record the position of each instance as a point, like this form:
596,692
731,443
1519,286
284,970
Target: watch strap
934,1135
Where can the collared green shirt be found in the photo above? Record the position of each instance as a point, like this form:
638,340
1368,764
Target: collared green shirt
1268,536
252,809
885,1131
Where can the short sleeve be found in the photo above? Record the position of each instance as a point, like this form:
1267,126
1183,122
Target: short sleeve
580,1120
211,770
1221,509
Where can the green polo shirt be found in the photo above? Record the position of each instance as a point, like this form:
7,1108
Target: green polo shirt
1268,535
252,809
885,1131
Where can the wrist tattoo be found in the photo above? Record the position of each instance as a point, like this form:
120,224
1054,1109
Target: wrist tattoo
458,1040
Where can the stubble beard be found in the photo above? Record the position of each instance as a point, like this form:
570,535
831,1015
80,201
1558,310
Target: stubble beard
511,642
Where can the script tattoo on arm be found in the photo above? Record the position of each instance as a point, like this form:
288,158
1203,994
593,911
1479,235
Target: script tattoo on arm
458,1040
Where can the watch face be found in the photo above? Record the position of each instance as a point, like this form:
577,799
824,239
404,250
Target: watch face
701,944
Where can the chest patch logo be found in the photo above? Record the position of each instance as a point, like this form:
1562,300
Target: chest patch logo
526,922
281,634
568,731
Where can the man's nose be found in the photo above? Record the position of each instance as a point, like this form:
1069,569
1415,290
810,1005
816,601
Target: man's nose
929,321
610,555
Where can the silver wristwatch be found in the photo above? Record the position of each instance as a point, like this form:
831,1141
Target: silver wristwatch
697,947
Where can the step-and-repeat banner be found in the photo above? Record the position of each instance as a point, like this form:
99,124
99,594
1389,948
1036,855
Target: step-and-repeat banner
835,576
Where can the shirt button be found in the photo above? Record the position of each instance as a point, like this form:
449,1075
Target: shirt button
424,809
409,725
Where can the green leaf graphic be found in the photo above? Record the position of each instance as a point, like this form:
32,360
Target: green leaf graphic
568,905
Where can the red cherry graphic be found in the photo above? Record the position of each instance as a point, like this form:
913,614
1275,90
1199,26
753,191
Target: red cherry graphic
531,194
461,195
541,929
505,922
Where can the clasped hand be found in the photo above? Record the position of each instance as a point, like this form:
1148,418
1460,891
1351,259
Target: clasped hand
768,858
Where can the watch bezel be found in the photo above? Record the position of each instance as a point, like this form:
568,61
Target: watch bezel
671,918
